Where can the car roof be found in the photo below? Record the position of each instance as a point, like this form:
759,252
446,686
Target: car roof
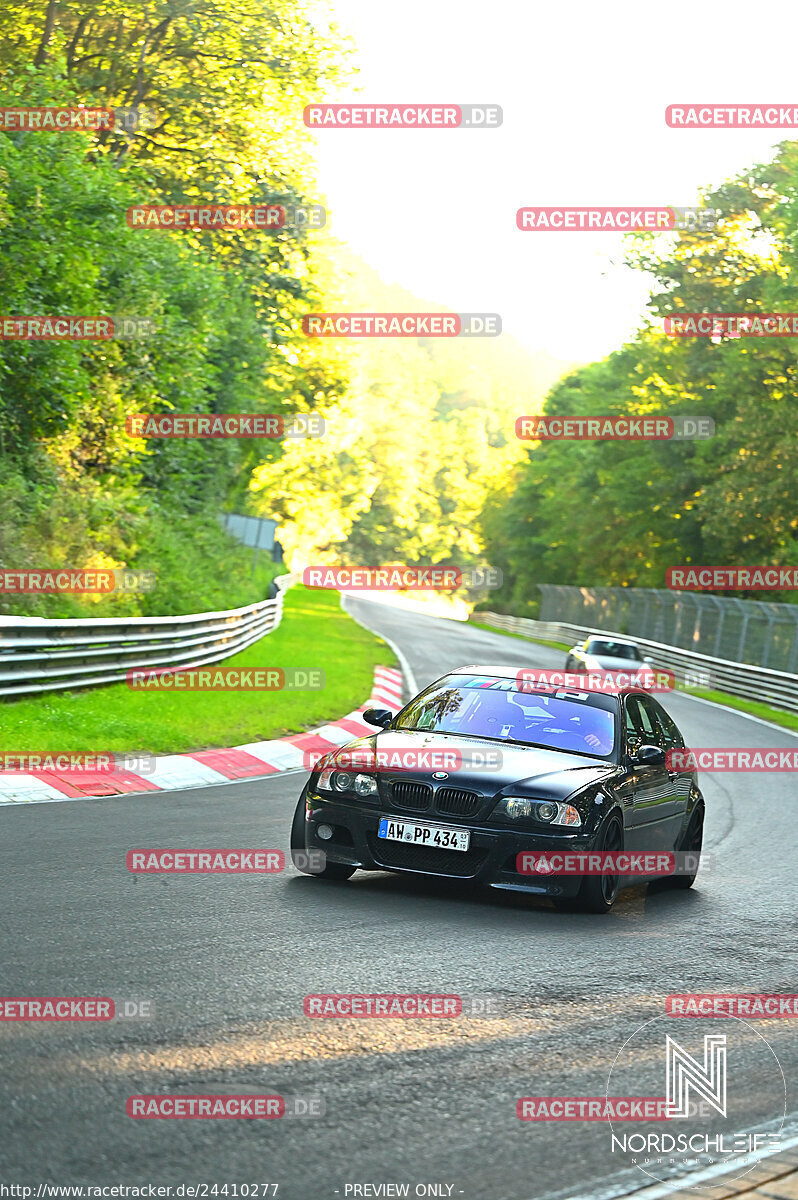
608,637
503,671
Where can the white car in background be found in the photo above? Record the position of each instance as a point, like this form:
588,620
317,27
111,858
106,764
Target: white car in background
599,653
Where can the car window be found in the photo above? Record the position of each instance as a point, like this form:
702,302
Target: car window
641,728
670,734
486,706
612,649
652,727
634,730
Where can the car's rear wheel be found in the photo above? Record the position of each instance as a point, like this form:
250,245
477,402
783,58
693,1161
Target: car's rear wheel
299,851
599,892
692,842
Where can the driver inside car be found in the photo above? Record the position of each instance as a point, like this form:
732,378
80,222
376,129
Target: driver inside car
575,733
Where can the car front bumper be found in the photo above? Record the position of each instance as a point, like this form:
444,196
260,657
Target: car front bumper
490,859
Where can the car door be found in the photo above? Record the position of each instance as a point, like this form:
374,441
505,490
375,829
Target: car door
650,800
681,780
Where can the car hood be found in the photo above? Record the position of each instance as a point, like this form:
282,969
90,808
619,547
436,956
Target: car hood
484,766
613,663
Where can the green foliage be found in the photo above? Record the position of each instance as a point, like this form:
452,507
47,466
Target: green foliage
227,85
424,428
620,513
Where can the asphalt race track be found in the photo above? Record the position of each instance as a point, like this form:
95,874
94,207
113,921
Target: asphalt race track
227,961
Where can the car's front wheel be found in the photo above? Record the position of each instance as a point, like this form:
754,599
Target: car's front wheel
598,893
300,855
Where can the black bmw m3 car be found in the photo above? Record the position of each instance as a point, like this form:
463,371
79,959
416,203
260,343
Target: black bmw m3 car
483,766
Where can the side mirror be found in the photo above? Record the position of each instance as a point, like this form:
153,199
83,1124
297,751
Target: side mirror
649,756
649,659
378,716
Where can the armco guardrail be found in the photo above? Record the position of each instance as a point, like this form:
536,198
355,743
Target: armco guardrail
39,655
759,632
779,688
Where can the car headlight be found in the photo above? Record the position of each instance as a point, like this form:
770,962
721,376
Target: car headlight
347,781
548,812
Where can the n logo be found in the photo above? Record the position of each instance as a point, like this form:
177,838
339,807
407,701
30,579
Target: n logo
683,1073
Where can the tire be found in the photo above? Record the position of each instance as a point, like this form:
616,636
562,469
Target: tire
598,893
332,870
693,840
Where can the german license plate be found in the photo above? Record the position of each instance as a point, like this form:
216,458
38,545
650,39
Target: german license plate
424,835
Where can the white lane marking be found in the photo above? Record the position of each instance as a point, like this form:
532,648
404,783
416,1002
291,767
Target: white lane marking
407,670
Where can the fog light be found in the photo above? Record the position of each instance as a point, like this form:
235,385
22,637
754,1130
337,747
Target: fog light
325,832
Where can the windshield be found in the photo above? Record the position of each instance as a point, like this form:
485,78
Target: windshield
612,649
481,706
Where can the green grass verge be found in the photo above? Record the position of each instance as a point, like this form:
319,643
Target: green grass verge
778,716
315,632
